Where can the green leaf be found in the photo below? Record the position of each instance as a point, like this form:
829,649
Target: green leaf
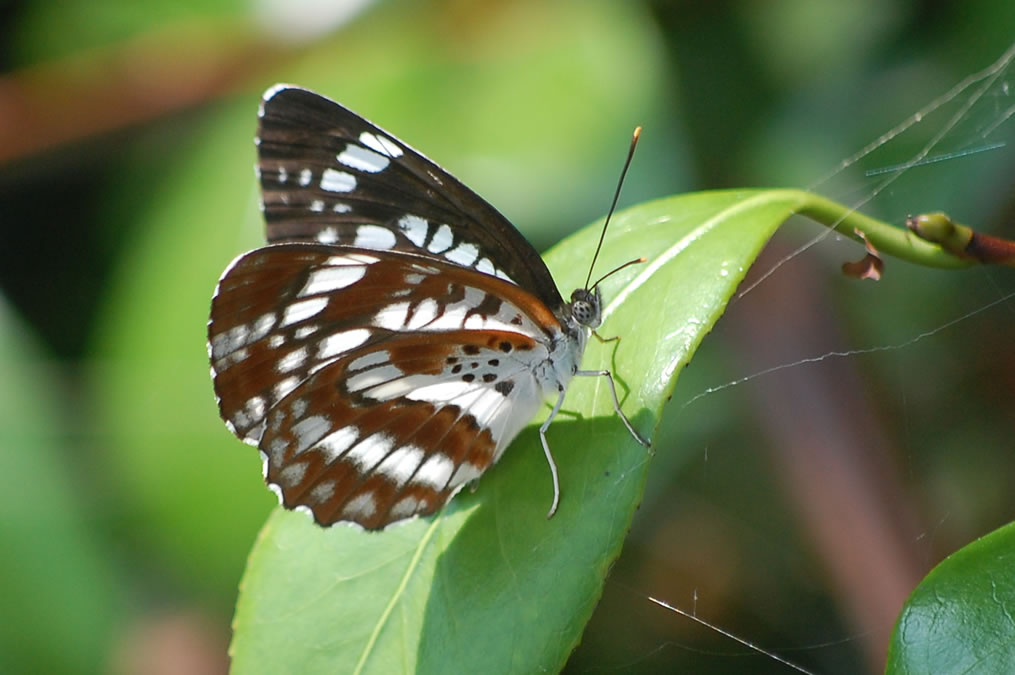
961,618
490,584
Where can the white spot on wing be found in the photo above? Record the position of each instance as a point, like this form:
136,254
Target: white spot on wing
309,431
229,341
373,377
464,474
414,228
392,317
293,474
362,506
334,444
317,206
435,471
426,311
381,144
300,311
276,450
485,266
338,343
482,402
386,391
328,279
358,157
322,492
217,345
262,325
298,408
351,259
371,359
370,451
374,236
334,180
292,360
442,240
464,254
404,508
240,420
255,407
305,176
458,316
283,175
230,359
400,464
328,235
283,388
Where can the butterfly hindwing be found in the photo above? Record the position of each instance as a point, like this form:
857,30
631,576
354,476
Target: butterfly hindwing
313,345
392,431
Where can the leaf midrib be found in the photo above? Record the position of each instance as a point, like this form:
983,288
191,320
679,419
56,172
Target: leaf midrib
396,596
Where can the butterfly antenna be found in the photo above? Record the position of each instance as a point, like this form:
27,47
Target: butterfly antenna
636,261
616,196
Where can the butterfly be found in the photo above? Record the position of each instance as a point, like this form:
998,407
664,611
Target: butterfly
396,333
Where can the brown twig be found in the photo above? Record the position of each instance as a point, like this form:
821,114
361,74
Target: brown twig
108,88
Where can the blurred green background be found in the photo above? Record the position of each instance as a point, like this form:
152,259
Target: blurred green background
796,509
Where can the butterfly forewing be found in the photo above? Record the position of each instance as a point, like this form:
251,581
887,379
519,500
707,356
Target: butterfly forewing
330,176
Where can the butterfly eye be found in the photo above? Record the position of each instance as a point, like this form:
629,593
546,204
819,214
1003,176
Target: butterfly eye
586,307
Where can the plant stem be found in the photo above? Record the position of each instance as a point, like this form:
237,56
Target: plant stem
887,239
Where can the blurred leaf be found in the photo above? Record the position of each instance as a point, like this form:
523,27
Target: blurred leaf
54,30
60,600
960,618
490,584
184,494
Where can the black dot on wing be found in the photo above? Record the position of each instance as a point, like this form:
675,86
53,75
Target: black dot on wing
468,377
471,350
457,369
452,359
489,377
474,365
494,362
504,387
505,346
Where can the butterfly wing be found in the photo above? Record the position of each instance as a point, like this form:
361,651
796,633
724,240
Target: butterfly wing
328,175
375,383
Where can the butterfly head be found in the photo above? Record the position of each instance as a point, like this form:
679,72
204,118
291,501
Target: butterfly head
587,307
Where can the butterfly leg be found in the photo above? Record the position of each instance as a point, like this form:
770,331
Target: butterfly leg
549,456
602,340
616,402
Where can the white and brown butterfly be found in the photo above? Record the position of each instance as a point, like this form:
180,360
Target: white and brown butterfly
397,332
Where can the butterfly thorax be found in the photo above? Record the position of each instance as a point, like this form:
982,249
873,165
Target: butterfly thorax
577,319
